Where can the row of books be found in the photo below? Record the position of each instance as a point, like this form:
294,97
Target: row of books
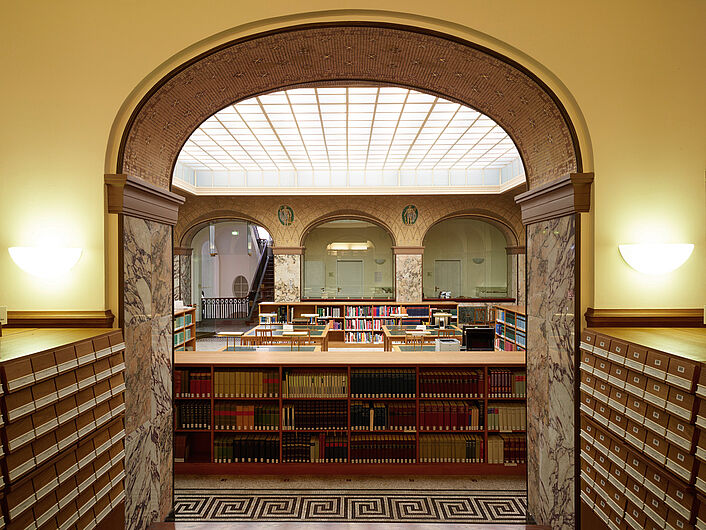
315,415
358,311
388,448
329,311
253,448
503,344
451,448
192,383
507,449
452,383
231,417
183,320
450,415
246,383
182,336
192,415
335,324
375,325
506,383
315,384
383,416
383,383
315,448
507,417
364,337
386,310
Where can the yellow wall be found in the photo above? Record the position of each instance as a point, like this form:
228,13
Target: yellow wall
630,73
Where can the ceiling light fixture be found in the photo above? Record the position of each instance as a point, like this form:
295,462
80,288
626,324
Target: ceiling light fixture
656,258
349,246
45,262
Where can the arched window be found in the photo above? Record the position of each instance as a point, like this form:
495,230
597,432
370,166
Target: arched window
348,259
466,258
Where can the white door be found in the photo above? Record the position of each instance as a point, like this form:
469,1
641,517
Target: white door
349,276
447,276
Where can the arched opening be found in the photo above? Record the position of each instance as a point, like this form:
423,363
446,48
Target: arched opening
465,258
348,259
433,63
228,269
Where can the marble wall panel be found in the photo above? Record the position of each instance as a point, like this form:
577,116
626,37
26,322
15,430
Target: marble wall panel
521,278
408,277
182,278
551,262
177,277
287,277
147,306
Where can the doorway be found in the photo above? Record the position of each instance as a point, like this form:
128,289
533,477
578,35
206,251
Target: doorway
447,276
349,274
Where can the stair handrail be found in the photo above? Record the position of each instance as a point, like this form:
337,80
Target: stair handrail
257,279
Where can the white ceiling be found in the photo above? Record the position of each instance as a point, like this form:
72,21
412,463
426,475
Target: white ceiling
355,136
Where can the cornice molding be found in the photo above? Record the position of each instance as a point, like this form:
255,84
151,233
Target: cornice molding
60,319
135,197
645,318
291,251
515,250
183,251
565,196
407,250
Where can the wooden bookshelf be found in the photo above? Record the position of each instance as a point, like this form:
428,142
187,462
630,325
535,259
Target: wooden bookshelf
643,428
357,323
419,368
510,327
185,329
63,429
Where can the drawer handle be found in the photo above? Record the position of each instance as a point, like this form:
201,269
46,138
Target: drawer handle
655,415
680,457
655,503
617,349
657,478
635,463
680,494
656,387
655,442
636,355
618,418
635,430
680,397
636,487
680,427
618,371
680,369
658,362
636,380
619,395
636,404
680,524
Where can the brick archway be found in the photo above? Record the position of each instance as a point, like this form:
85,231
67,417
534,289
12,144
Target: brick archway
334,53
346,53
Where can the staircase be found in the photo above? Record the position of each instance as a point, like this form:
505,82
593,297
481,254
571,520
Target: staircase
267,290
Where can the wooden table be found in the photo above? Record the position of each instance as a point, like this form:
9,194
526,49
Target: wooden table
296,336
397,333
319,334
228,335
270,348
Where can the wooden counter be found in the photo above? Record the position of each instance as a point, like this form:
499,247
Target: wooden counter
684,342
352,357
20,342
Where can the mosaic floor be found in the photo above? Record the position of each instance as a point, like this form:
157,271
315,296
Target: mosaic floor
350,505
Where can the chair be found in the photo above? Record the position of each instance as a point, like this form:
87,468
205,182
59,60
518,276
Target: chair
414,340
263,336
445,333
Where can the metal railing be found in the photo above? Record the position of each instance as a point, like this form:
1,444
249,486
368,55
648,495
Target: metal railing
224,308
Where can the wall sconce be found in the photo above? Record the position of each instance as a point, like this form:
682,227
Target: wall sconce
656,258
478,261
45,262
379,261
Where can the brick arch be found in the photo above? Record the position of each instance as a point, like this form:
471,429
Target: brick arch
347,214
186,230
347,52
511,236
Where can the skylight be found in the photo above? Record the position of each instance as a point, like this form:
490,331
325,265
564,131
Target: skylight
310,140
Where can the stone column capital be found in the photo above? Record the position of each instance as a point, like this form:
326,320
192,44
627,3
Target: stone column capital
183,251
291,251
515,250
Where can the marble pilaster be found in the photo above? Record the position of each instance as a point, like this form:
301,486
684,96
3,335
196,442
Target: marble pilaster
287,277
147,313
551,263
182,274
408,277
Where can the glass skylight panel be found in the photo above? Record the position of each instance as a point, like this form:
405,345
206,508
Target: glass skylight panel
354,136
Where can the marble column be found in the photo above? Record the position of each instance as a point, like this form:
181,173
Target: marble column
182,274
288,273
408,274
147,321
551,359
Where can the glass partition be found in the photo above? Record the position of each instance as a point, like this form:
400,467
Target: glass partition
348,259
465,258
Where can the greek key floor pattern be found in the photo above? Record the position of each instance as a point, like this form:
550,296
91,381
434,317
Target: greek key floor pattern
350,505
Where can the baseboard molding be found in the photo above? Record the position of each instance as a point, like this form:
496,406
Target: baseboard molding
60,319
644,318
